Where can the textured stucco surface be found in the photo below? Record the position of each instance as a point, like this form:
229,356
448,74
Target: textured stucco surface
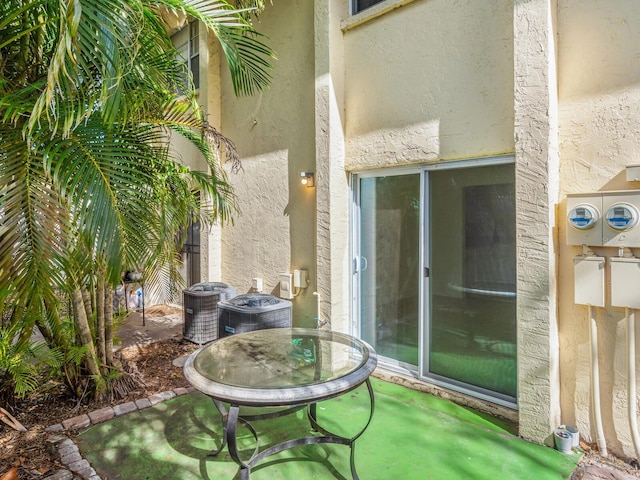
332,228
274,133
430,81
554,82
535,132
599,95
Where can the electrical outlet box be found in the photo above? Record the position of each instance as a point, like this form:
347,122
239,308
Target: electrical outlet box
300,279
625,282
286,286
588,274
633,173
257,284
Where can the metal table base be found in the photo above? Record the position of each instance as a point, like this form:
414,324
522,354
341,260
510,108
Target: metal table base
231,418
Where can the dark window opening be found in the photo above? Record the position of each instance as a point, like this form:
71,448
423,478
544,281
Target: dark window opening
191,249
187,45
360,5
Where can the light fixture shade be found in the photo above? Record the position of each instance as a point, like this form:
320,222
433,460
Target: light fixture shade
306,178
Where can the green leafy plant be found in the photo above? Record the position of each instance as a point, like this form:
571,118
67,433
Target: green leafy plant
22,362
88,183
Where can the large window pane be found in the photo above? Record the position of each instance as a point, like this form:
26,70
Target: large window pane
389,264
472,332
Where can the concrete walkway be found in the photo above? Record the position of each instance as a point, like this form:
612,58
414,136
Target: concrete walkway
160,323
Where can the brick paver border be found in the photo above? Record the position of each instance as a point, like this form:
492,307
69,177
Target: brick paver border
78,468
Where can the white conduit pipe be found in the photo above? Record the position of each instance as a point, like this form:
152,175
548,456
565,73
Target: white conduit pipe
632,400
595,383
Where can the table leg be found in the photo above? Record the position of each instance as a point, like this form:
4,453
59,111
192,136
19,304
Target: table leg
231,434
224,414
231,418
313,419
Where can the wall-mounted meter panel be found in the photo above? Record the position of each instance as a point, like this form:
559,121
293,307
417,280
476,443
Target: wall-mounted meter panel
584,222
621,213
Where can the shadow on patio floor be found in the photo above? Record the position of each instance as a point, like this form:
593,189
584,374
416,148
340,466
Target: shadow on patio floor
413,436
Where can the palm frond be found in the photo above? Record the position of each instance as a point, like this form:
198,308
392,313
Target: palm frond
31,248
88,103
248,57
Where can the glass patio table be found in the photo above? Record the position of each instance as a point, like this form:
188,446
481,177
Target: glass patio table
290,368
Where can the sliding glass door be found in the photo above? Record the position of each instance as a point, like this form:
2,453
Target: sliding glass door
434,271
388,264
471,300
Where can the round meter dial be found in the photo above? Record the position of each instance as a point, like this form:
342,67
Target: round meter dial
583,217
622,216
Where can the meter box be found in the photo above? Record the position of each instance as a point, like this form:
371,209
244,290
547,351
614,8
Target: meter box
604,219
621,216
584,223
588,274
625,282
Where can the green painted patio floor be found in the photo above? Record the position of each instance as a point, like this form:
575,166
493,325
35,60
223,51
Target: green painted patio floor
413,436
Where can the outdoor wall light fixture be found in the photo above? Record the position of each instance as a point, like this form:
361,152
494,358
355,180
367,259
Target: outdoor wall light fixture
306,178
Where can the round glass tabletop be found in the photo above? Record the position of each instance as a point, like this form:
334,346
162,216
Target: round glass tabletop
280,366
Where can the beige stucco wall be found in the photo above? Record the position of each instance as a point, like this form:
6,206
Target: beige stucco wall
394,87
535,132
397,89
434,99
186,153
430,81
274,132
333,200
554,83
599,94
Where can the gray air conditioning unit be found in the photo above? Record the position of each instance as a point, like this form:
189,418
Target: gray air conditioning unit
201,311
253,311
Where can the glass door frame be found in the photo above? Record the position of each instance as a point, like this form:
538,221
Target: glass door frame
356,301
420,371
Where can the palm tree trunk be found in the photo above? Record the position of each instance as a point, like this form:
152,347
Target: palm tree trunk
108,325
84,332
86,300
100,319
